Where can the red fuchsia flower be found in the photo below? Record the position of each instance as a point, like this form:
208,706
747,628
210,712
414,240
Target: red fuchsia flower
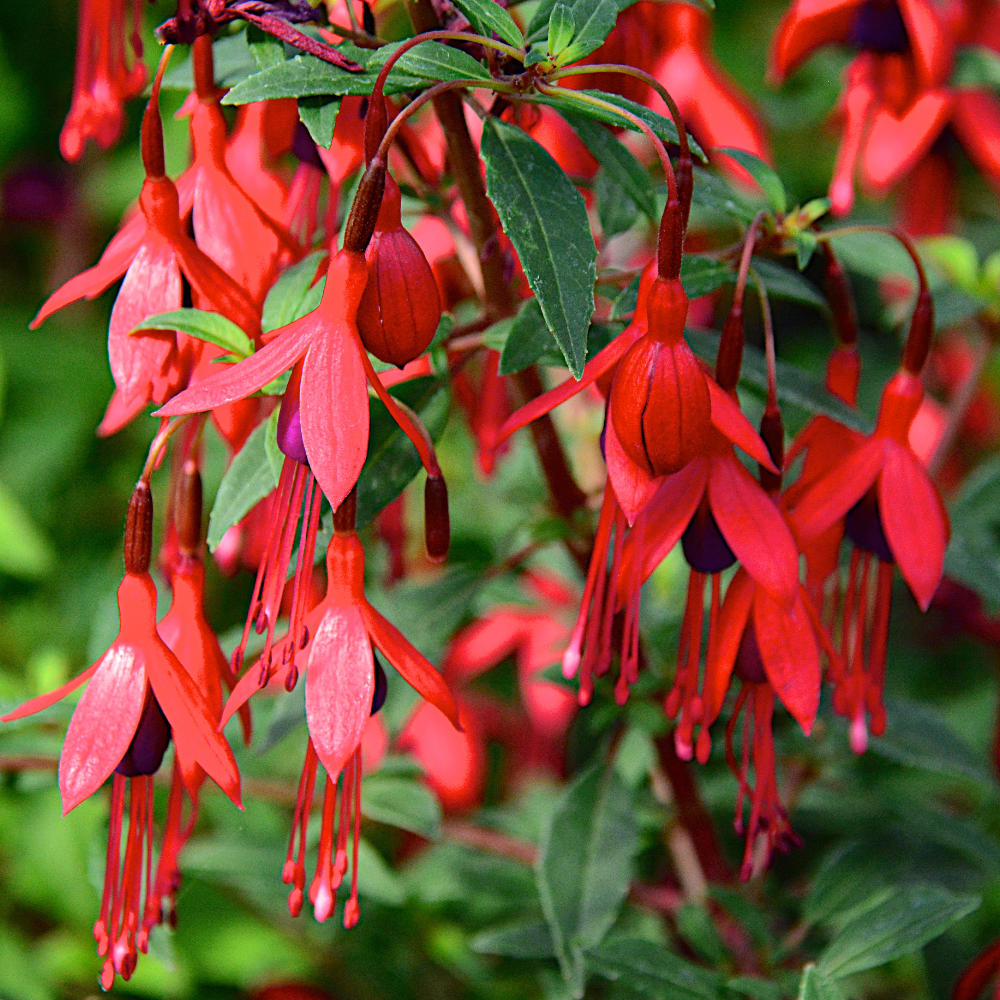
107,73
263,132
895,103
343,688
228,224
138,698
892,513
155,256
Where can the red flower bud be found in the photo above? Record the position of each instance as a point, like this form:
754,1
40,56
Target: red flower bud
401,307
659,400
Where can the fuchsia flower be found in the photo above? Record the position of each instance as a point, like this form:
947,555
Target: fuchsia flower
138,698
343,689
890,510
106,74
155,256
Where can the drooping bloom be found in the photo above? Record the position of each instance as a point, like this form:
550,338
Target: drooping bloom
138,699
155,256
107,73
343,689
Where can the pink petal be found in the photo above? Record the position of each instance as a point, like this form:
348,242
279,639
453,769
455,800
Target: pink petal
915,522
340,681
103,724
932,51
724,643
414,667
334,411
728,418
806,26
633,486
486,642
240,380
976,122
753,527
192,725
831,496
895,144
791,658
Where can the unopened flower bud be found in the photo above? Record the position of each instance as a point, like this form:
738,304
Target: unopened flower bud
401,307
139,529
188,508
437,520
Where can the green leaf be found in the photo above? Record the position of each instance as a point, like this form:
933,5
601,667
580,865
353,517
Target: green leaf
784,283
585,866
805,246
616,211
763,174
757,989
973,556
488,17
652,971
527,339
713,194
392,460
377,880
815,986
25,553
431,60
248,479
523,939
545,217
562,28
701,275
401,802
568,101
231,56
594,20
294,294
901,923
275,456
265,49
976,67
617,161
919,737
696,927
207,326
319,115
306,76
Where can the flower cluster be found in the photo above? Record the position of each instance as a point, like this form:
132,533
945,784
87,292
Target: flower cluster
252,291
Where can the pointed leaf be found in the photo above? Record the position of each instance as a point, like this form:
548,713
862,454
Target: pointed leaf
615,158
401,802
651,970
915,522
562,28
411,665
319,115
544,216
904,921
815,986
763,173
207,326
585,866
248,480
340,681
433,61
754,528
594,20
103,724
523,939
487,17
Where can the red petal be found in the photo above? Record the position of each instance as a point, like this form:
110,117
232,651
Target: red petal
894,144
665,517
486,642
340,681
754,527
915,522
724,643
593,370
929,42
103,724
834,494
633,486
730,421
808,25
976,121
191,723
414,667
44,701
791,658
240,380
334,411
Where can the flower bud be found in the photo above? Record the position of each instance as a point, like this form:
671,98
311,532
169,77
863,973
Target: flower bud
401,307
139,529
437,522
